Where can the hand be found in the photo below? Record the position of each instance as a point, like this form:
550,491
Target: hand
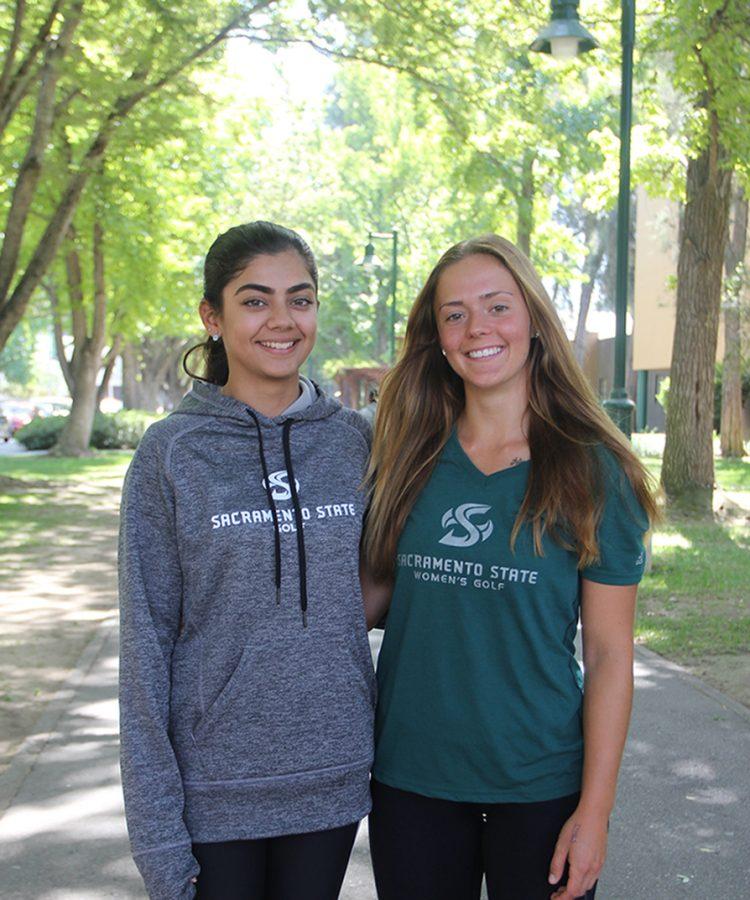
583,843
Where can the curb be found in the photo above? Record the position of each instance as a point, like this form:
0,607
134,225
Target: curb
25,756
650,657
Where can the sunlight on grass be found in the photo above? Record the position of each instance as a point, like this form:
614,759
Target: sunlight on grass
663,540
104,465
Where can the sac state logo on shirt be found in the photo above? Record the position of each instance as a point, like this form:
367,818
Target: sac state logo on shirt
279,482
467,524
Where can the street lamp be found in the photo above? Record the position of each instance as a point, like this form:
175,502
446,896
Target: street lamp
371,261
565,26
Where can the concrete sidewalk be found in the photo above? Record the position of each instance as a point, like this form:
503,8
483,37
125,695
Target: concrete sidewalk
681,829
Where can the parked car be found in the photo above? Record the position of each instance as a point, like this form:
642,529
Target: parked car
17,413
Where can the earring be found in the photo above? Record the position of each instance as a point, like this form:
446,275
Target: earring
442,350
215,337
535,335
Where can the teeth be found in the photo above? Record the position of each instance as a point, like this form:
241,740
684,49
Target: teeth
278,345
487,351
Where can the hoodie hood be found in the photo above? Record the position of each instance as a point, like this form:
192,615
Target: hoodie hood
206,399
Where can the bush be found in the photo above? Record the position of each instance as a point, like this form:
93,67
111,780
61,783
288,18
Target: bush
41,433
112,431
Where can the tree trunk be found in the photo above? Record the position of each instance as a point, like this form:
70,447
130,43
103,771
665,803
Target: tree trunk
525,204
86,360
732,444
109,367
129,383
75,437
593,232
688,470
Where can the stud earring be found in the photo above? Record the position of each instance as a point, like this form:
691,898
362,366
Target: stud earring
535,335
215,337
442,350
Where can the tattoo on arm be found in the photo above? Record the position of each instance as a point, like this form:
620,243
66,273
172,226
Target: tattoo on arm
516,460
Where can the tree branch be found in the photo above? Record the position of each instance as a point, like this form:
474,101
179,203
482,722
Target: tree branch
16,86
109,364
99,326
31,167
15,40
51,291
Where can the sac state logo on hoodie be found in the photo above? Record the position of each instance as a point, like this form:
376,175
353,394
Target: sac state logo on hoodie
279,482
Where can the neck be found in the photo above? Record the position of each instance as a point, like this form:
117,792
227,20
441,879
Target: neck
269,398
497,417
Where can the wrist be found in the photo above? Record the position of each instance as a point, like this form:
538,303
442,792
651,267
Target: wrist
595,807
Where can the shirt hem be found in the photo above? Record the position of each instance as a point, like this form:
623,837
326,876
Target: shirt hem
510,795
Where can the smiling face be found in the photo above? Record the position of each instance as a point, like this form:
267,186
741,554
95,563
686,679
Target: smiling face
483,324
268,320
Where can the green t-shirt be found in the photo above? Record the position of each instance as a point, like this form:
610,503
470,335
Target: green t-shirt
479,689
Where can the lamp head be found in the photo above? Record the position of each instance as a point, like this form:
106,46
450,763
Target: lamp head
370,260
564,37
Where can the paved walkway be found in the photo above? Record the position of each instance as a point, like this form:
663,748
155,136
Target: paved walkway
681,829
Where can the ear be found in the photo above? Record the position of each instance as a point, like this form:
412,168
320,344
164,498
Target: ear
209,317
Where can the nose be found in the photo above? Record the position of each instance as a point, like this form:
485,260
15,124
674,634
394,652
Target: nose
477,323
279,317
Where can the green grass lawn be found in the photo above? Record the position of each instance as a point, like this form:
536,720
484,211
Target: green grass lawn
731,474
104,464
695,601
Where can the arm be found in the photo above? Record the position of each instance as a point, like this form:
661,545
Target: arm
376,596
607,613
150,607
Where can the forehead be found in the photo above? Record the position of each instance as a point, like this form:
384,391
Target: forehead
277,270
473,277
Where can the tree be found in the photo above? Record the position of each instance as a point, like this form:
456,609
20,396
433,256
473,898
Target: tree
732,444
89,88
711,62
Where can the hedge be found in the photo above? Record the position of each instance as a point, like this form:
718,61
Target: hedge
112,431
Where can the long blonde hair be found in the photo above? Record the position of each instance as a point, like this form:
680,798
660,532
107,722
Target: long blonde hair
422,397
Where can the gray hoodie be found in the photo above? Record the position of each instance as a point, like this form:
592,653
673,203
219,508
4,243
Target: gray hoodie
247,689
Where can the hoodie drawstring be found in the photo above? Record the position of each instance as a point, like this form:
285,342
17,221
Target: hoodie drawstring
287,427
269,494
297,514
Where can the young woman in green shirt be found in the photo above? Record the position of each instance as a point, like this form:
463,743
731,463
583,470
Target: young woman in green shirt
505,507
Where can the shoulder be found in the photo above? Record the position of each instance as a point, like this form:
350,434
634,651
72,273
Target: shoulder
618,493
155,447
355,424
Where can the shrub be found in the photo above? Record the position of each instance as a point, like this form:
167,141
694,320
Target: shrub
41,433
112,431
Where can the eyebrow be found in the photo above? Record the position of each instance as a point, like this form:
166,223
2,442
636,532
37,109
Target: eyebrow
265,289
486,296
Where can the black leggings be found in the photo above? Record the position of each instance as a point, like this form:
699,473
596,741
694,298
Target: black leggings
293,867
423,847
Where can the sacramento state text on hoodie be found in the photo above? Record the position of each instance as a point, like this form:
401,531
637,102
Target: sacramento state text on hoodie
247,687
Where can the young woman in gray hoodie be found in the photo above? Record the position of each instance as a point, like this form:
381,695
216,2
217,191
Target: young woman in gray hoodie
246,686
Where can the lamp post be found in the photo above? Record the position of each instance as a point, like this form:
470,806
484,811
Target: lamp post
571,38
371,261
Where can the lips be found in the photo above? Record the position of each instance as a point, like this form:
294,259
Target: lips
484,352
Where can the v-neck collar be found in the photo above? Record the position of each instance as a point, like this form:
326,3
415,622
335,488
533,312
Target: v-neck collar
454,446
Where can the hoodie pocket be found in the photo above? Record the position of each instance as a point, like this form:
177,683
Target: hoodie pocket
224,697
288,708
